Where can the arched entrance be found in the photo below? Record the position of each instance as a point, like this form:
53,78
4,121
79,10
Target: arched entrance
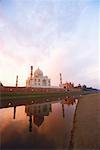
44,82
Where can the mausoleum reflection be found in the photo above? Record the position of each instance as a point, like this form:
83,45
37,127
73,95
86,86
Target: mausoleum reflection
37,112
47,122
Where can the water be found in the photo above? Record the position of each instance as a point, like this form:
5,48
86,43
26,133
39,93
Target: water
26,124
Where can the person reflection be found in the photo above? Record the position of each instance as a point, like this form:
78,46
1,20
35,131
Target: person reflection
37,112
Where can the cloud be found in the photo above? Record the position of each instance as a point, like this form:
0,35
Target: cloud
56,35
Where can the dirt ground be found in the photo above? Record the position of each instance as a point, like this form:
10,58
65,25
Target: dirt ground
86,134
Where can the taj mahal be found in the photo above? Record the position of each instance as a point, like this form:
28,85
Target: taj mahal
38,80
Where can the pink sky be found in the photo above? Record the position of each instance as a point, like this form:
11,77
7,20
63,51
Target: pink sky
55,36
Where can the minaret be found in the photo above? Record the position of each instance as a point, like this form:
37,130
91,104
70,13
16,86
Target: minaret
17,81
60,79
31,74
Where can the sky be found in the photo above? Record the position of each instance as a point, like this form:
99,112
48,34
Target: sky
58,36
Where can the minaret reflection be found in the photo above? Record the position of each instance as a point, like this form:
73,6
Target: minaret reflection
37,112
30,123
14,115
63,112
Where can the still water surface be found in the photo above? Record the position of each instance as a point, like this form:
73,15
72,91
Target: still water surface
45,125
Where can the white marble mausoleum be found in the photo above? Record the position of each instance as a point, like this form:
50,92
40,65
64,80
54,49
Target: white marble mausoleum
38,80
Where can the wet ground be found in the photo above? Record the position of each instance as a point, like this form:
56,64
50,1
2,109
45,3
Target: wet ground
86,132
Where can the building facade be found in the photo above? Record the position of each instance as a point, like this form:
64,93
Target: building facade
38,80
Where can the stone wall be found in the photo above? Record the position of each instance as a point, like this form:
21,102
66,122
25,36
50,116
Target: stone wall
29,90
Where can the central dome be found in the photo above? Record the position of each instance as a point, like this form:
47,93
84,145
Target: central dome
38,73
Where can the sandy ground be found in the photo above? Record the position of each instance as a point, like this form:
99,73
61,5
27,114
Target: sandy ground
86,133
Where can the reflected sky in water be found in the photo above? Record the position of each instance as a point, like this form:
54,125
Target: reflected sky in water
44,125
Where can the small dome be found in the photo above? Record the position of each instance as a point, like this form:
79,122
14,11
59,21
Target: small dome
38,73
